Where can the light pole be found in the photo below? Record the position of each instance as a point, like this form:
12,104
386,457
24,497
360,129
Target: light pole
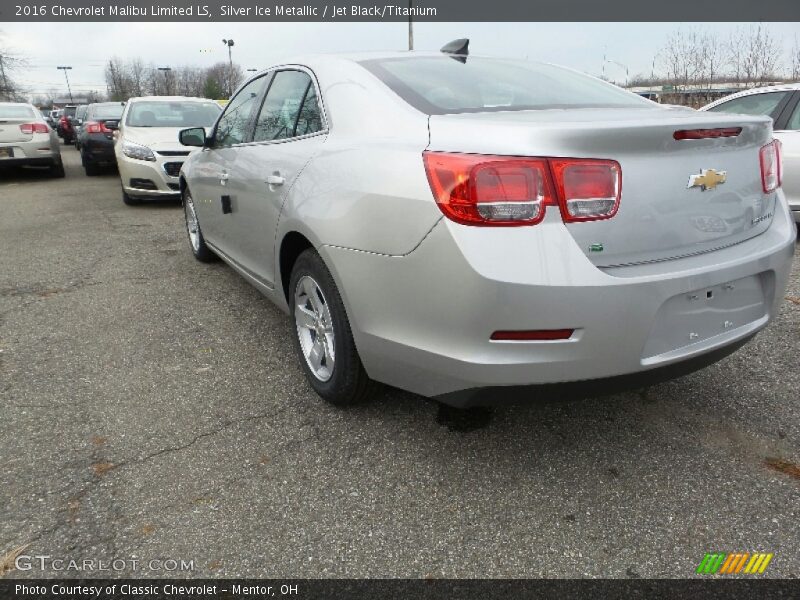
619,64
69,89
229,44
410,28
166,82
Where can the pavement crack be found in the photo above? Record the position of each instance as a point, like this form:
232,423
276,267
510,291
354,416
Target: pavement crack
174,449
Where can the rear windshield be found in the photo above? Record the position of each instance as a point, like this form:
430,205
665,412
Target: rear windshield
443,84
70,111
172,114
106,111
9,111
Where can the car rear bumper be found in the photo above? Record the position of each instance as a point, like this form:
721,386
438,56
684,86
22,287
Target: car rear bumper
99,149
423,321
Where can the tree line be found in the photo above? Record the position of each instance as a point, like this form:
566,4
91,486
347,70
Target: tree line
750,56
129,78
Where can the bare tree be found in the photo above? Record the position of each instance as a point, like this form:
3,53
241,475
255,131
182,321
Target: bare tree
754,55
679,57
9,63
794,61
126,79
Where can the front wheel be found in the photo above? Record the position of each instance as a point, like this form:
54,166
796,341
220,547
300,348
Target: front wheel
324,341
196,241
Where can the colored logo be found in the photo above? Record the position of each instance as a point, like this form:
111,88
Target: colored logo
708,179
721,563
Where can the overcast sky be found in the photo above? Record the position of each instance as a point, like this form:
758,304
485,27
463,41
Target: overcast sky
86,46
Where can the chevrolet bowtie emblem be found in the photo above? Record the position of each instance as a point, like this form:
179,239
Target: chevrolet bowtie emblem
708,179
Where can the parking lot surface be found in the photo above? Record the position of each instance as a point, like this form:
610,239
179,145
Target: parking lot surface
153,409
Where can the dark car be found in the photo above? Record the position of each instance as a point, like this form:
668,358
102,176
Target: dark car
77,124
97,136
64,129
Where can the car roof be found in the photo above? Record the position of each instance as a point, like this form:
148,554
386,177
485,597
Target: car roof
168,99
782,87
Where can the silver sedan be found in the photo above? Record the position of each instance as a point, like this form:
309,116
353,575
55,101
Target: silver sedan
465,227
26,139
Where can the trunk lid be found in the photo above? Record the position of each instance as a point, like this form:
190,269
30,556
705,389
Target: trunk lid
10,131
660,216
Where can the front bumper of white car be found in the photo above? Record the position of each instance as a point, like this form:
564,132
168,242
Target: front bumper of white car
151,179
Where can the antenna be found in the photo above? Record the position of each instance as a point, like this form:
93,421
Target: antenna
459,47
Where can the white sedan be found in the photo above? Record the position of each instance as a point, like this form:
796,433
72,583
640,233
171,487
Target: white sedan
149,155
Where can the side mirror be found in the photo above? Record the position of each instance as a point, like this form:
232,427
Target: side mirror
79,121
195,136
112,125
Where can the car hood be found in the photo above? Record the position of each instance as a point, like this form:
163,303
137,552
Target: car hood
157,138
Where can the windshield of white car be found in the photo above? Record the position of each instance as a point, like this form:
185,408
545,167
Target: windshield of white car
106,111
446,84
172,114
11,111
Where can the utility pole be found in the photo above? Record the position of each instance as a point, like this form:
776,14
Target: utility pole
229,44
69,89
410,28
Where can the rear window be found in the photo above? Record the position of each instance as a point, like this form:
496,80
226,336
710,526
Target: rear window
9,111
70,111
106,111
172,114
443,84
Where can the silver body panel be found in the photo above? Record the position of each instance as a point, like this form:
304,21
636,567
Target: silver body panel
424,294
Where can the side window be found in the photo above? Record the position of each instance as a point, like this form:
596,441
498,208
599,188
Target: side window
794,120
290,108
232,125
754,104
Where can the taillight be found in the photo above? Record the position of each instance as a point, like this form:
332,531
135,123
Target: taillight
770,159
29,128
702,134
484,190
536,335
96,127
589,190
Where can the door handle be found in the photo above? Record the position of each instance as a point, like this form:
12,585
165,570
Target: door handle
275,179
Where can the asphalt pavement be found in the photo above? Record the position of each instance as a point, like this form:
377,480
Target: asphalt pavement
152,410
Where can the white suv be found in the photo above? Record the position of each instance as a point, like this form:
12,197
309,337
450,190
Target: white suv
149,155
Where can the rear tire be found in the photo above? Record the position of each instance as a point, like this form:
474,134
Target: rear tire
323,338
90,168
196,241
57,170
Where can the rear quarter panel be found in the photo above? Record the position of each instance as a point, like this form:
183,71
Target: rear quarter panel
366,189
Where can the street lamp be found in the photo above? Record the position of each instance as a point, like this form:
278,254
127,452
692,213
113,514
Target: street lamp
619,64
229,44
166,82
69,89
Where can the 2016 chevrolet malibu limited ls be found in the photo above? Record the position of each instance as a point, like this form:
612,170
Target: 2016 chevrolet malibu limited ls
460,226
